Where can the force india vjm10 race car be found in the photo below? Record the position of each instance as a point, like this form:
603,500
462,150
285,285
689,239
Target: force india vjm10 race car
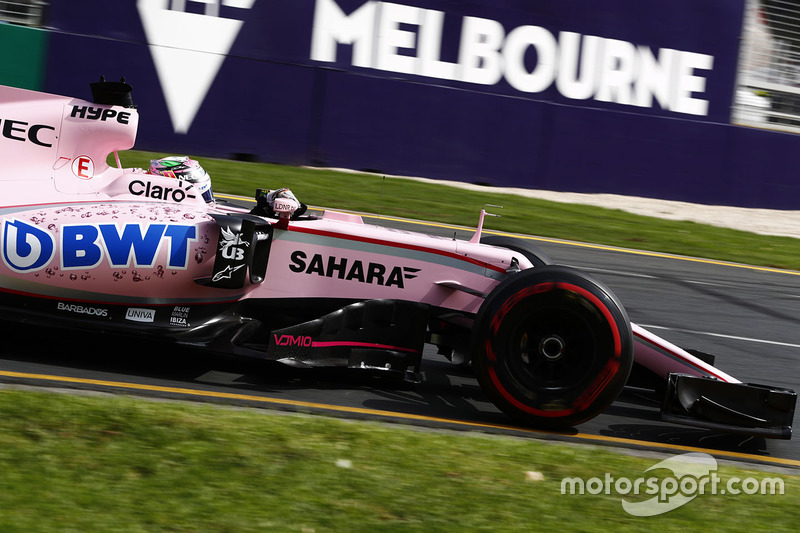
124,251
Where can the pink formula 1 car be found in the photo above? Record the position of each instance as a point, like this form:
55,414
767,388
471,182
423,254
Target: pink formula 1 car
151,253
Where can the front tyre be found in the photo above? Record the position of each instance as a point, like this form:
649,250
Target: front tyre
552,347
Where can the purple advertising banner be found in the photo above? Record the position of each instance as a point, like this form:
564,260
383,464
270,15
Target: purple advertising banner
626,96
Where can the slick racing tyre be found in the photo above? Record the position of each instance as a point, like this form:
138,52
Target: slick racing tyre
552,347
537,257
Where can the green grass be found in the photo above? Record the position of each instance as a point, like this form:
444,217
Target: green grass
451,205
118,464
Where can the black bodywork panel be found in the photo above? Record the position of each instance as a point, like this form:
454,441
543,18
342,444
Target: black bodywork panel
386,335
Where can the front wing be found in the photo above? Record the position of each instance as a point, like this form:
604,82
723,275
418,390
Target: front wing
748,408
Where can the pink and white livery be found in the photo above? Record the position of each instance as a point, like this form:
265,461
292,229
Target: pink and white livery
90,245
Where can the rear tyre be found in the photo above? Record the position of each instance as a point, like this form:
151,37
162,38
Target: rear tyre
552,347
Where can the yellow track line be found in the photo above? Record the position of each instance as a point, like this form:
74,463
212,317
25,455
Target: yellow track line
377,412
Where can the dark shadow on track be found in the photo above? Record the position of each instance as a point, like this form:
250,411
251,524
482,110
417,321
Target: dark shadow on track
449,396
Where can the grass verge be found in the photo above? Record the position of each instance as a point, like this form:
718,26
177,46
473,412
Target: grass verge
118,464
451,205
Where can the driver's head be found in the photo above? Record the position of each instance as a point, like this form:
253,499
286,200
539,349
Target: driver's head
183,168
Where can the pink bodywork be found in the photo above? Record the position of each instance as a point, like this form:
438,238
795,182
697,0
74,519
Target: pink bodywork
56,179
70,221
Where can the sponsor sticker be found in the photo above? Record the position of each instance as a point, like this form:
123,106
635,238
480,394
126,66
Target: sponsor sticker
101,114
82,309
83,167
138,314
352,269
18,130
179,316
230,270
158,192
293,340
28,248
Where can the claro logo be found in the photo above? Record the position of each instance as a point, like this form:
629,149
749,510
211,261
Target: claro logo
352,270
157,192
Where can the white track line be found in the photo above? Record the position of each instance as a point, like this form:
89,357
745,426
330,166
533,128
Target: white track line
733,337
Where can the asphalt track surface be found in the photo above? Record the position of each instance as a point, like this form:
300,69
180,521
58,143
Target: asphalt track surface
746,316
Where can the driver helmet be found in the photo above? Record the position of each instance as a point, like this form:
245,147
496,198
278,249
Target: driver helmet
183,168
283,192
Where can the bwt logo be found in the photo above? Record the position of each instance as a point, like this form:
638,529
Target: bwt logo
85,245
28,248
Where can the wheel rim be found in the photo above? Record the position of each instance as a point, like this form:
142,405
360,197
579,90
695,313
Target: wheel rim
555,350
